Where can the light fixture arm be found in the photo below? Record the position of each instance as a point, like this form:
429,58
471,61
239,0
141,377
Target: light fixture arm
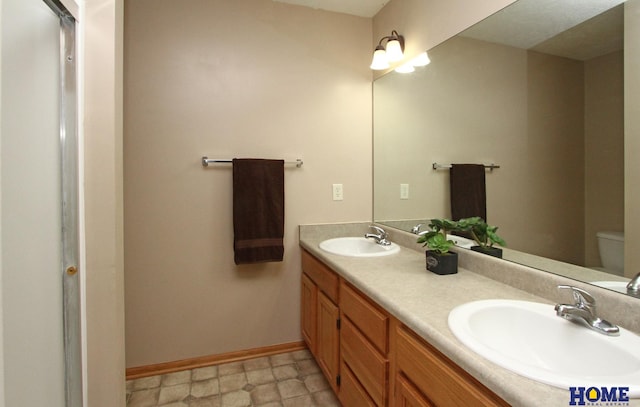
394,36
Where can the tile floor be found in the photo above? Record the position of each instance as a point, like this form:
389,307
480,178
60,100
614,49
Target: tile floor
286,380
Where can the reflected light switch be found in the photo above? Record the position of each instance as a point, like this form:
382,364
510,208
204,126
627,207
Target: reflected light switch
404,191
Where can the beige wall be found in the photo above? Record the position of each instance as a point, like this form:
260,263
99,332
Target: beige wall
632,135
251,78
604,150
103,220
553,186
427,23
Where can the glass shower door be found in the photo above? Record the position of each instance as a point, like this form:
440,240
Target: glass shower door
40,312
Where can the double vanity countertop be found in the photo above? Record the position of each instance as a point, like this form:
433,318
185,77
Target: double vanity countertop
422,300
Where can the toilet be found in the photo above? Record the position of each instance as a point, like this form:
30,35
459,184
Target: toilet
611,248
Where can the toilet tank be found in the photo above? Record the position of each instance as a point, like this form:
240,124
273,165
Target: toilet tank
611,248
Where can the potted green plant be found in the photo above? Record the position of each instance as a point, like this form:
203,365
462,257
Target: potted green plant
439,259
483,234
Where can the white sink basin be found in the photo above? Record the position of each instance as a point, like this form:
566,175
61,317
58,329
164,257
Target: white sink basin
530,340
357,247
462,241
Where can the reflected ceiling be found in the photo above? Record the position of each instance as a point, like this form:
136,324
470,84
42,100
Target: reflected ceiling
536,25
362,8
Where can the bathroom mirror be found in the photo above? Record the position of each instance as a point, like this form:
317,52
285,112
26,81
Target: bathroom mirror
537,89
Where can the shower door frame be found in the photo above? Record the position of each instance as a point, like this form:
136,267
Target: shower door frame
70,272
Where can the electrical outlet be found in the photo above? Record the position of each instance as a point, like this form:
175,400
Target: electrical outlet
338,194
404,191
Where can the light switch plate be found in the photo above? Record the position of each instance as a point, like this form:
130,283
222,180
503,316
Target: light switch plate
338,194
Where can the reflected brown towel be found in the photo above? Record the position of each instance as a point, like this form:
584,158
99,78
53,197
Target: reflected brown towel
258,210
468,191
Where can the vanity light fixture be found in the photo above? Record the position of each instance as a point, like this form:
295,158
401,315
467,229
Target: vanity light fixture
420,60
393,52
405,68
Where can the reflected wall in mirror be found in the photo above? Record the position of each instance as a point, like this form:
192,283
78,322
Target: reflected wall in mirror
537,89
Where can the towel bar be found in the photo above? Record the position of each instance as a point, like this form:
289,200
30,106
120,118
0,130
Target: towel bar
437,166
206,161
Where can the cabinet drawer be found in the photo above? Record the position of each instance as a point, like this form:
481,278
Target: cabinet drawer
364,360
322,276
351,392
373,323
408,396
442,381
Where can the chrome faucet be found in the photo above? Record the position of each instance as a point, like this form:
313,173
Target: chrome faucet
380,238
584,312
416,229
633,287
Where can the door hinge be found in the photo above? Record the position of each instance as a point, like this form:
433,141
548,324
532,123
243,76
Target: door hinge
338,323
338,380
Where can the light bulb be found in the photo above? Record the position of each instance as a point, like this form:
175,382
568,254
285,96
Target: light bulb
405,68
421,60
379,59
394,51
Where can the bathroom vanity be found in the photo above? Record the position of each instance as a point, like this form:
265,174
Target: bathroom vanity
378,326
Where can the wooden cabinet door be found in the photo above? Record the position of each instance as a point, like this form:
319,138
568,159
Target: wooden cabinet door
408,396
328,344
309,313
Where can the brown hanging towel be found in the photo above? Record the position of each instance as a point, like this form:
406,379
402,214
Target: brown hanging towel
468,191
258,210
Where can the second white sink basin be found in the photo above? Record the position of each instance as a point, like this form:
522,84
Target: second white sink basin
619,286
529,339
462,241
357,247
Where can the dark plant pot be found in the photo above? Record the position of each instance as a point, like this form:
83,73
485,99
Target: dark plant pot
442,263
491,251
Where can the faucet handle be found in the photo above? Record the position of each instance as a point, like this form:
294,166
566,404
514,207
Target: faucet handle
580,296
416,229
383,234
